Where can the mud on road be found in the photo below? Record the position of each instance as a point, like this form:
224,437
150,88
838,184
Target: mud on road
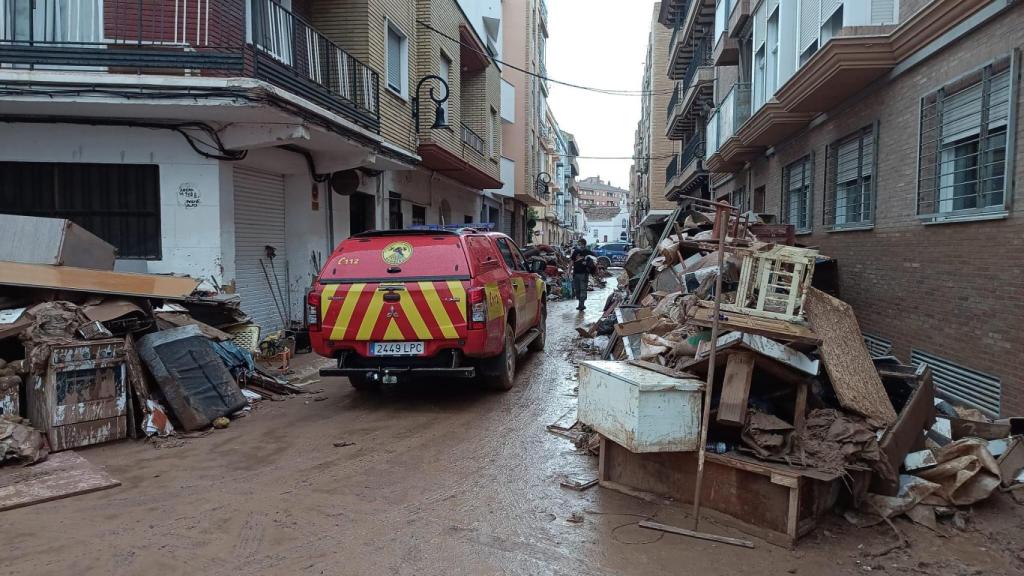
440,478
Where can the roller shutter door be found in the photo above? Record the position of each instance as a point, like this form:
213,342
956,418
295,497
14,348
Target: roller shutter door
259,222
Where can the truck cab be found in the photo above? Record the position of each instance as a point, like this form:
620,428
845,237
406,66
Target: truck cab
446,303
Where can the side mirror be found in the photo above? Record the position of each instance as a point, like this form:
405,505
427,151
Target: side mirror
537,266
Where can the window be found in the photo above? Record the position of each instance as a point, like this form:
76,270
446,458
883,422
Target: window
962,162
394,211
772,74
419,215
797,182
120,203
444,70
506,253
759,200
849,190
398,60
739,198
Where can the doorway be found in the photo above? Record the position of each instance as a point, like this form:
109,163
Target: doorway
360,210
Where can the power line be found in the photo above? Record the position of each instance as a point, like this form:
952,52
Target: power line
606,91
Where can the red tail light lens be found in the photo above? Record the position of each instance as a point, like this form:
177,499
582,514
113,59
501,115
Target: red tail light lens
477,304
313,311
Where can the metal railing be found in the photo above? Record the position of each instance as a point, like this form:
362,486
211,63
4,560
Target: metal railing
701,57
672,169
693,150
472,139
676,95
190,38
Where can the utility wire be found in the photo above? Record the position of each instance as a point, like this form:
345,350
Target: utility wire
606,91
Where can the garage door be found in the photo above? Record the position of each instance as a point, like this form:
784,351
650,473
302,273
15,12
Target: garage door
259,222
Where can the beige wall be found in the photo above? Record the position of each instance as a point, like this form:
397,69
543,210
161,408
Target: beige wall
661,87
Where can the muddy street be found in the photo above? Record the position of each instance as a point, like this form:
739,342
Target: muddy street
438,479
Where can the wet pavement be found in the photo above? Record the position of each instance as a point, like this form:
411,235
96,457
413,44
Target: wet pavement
440,478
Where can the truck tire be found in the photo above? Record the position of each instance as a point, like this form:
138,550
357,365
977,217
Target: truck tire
500,371
363,384
604,262
537,345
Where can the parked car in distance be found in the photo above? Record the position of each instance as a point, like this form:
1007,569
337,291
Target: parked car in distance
611,254
438,303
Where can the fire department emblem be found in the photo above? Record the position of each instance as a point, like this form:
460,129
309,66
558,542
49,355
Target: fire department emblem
397,253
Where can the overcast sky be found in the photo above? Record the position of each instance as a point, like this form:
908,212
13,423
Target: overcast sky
599,43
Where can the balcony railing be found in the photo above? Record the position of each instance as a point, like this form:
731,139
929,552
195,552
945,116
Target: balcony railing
730,115
693,150
472,139
701,57
680,21
676,95
672,169
219,38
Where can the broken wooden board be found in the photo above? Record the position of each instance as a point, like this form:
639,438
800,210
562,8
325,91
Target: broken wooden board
635,326
846,358
96,281
62,475
739,371
699,535
905,435
963,428
1011,463
770,327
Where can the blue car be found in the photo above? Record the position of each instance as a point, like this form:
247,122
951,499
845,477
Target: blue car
611,253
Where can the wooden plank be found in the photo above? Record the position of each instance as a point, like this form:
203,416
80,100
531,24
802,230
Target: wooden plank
794,513
846,357
700,535
800,406
770,327
963,428
96,281
739,370
635,326
61,475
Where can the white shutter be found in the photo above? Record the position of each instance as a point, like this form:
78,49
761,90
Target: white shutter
999,100
883,12
828,8
760,23
810,18
259,222
961,114
868,155
394,59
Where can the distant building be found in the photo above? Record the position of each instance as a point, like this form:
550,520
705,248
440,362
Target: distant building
597,192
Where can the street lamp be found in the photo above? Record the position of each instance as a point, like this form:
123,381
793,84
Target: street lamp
439,116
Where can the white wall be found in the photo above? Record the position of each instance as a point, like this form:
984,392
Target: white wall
428,189
611,228
190,237
476,11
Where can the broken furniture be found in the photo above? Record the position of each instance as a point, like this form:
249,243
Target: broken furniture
774,282
644,410
79,396
194,381
53,241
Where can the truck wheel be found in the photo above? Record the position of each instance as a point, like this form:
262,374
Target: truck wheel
363,384
604,262
538,343
500,371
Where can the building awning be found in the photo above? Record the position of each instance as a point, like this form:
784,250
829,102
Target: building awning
655,217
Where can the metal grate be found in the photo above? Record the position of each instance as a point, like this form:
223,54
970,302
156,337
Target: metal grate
877,345
960,383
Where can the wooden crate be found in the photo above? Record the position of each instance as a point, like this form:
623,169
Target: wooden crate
80,398
774,282
776,503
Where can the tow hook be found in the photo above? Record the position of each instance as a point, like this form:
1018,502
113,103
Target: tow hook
389,378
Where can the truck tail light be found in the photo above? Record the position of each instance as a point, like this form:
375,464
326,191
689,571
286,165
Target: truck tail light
313,311
477,303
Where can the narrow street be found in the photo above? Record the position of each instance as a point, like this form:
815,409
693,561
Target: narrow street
440,479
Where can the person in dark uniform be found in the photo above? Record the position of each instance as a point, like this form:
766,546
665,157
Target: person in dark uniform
582,267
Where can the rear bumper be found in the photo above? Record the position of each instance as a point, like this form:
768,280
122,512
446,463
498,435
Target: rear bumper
466,372
450,363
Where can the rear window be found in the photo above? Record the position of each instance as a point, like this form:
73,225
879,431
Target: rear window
397,257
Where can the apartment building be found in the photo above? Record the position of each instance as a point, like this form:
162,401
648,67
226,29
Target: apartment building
657,157
556,184
216,138
596,192
885,132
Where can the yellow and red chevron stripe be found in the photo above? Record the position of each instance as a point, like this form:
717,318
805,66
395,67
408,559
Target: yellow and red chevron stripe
425,311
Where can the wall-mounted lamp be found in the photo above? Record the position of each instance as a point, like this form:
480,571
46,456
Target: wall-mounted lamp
439,116
541,183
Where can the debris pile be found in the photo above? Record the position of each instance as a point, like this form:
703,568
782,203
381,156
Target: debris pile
793,386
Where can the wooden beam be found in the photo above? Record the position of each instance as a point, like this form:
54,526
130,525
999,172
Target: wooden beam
800,408
739,370
770,327
701,535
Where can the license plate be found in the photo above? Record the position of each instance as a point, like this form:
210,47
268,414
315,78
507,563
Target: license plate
396,349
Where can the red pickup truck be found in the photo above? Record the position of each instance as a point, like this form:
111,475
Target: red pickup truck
399,303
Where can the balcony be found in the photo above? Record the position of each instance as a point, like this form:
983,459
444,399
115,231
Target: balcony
727,48
544,78
673,11
693,93
731,114
150,39
691,173
738,16
845,65
695,23
472,139
542,9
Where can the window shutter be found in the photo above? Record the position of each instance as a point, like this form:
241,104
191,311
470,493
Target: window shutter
809,22
394,59
999,100
828,8
961,114
847,160
883,12
760,24
868,153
